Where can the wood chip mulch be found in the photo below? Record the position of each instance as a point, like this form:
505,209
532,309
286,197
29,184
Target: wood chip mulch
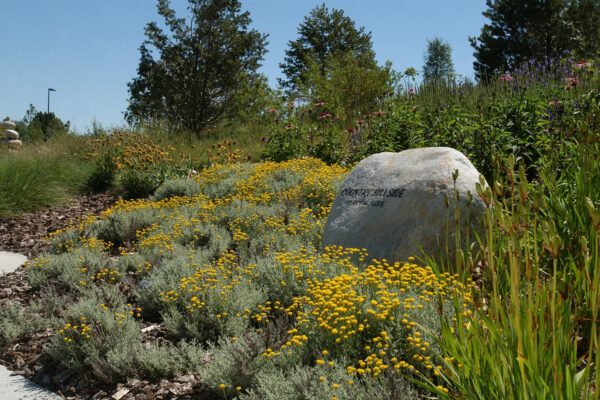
26,356
24,234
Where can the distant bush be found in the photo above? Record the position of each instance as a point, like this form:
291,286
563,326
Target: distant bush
177,187
102,177
138,184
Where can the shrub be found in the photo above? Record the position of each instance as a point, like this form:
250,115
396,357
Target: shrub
121,229
177,187
138,184
102,177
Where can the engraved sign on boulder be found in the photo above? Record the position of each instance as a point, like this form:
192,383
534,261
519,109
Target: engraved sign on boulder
392,203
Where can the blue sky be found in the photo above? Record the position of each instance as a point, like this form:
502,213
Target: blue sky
88,50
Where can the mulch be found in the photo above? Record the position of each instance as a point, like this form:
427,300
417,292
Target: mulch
24,234
26,356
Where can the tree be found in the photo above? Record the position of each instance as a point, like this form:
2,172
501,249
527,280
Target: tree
323,33
349,87
38,125
585,15
520,30
199,66
438,61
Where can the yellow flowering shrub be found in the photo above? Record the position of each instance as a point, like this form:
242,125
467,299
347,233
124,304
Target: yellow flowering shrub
244,257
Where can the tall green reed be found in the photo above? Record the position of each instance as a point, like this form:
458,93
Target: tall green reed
531,337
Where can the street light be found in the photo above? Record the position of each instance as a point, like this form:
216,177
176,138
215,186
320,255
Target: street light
50,90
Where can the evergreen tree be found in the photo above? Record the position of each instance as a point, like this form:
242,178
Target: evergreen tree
585,16
323,33
199,66
438,61
520,30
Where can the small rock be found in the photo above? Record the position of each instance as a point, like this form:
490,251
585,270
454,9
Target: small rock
149,328
144,284
6,292
118,395
7,125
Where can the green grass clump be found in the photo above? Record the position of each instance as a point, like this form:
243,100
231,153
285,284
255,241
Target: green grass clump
35,178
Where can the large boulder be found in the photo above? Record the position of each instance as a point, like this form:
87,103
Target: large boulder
7,125
392,204
10,134
14,143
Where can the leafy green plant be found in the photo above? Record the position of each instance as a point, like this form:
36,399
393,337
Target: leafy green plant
138,184
102,177
532,340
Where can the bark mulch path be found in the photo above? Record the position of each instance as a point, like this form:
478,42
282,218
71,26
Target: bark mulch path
26,356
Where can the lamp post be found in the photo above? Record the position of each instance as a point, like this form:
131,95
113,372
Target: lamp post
50,90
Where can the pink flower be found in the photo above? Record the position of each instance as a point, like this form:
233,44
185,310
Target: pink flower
411,91
265,140
360,121
367,116
506,78
272,111
309,136
319,104
572,80
323,116
291,105
378,113
582,64
288,127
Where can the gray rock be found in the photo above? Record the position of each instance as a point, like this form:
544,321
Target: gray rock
144,284
10,134
392,203
7,125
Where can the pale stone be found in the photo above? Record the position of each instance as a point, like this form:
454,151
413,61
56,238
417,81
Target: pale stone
16,387
10,261
10,134
392,204
15,143
7,125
